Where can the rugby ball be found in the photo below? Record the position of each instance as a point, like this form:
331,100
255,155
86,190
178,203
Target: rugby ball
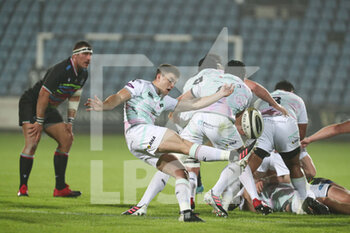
252,123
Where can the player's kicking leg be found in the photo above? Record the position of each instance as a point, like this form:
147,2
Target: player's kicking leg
172,142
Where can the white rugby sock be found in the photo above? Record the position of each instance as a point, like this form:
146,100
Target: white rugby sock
300,184
208,153
182,192
227,176
193,184
156,185
248,181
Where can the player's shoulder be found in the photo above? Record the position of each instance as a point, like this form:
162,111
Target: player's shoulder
138,83
64,65
286,93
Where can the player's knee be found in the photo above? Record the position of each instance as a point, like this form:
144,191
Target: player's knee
67,141
30,147
185,146
261,153
181,173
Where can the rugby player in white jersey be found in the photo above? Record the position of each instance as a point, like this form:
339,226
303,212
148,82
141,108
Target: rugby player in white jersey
282,134
215,123
144,102
273,185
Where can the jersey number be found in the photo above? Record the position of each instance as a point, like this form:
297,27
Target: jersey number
277,99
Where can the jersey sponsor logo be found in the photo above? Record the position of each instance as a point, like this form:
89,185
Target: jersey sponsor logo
68,67
231,143
150,95
151,142
320,187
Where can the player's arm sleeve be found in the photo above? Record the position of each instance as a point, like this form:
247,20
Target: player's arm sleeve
195,91
302,116
170,103
135,87
241,100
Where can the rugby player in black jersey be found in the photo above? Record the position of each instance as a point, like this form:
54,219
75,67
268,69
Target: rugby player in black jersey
37,112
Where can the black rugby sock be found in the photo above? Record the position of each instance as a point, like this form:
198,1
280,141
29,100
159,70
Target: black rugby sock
25,166
60,163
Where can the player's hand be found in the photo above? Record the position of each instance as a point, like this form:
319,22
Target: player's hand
282,110
259,186
305,142
94,104
35,131
226,89
69,128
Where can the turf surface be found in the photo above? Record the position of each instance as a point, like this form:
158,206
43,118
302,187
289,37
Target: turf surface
124,181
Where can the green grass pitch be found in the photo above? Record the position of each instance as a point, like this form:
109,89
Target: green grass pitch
43,213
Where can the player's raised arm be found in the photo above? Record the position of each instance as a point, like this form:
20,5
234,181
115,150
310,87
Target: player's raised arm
327,132
109,103
263,94
186,104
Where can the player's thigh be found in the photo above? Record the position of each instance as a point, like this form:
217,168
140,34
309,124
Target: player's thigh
221,131
193,131
266,140
339,194
172,142
286,136
145,138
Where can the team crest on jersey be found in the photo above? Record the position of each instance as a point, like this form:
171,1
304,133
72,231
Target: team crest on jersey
150,95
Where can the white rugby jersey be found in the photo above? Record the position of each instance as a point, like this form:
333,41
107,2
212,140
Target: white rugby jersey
145,104
209,81
293,103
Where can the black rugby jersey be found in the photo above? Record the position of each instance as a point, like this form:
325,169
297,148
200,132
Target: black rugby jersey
61,81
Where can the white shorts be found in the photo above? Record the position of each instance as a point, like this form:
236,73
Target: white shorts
274,162
280,133
143,141
218,129
320,190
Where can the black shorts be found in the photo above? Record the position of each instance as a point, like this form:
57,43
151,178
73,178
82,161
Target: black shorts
27,112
